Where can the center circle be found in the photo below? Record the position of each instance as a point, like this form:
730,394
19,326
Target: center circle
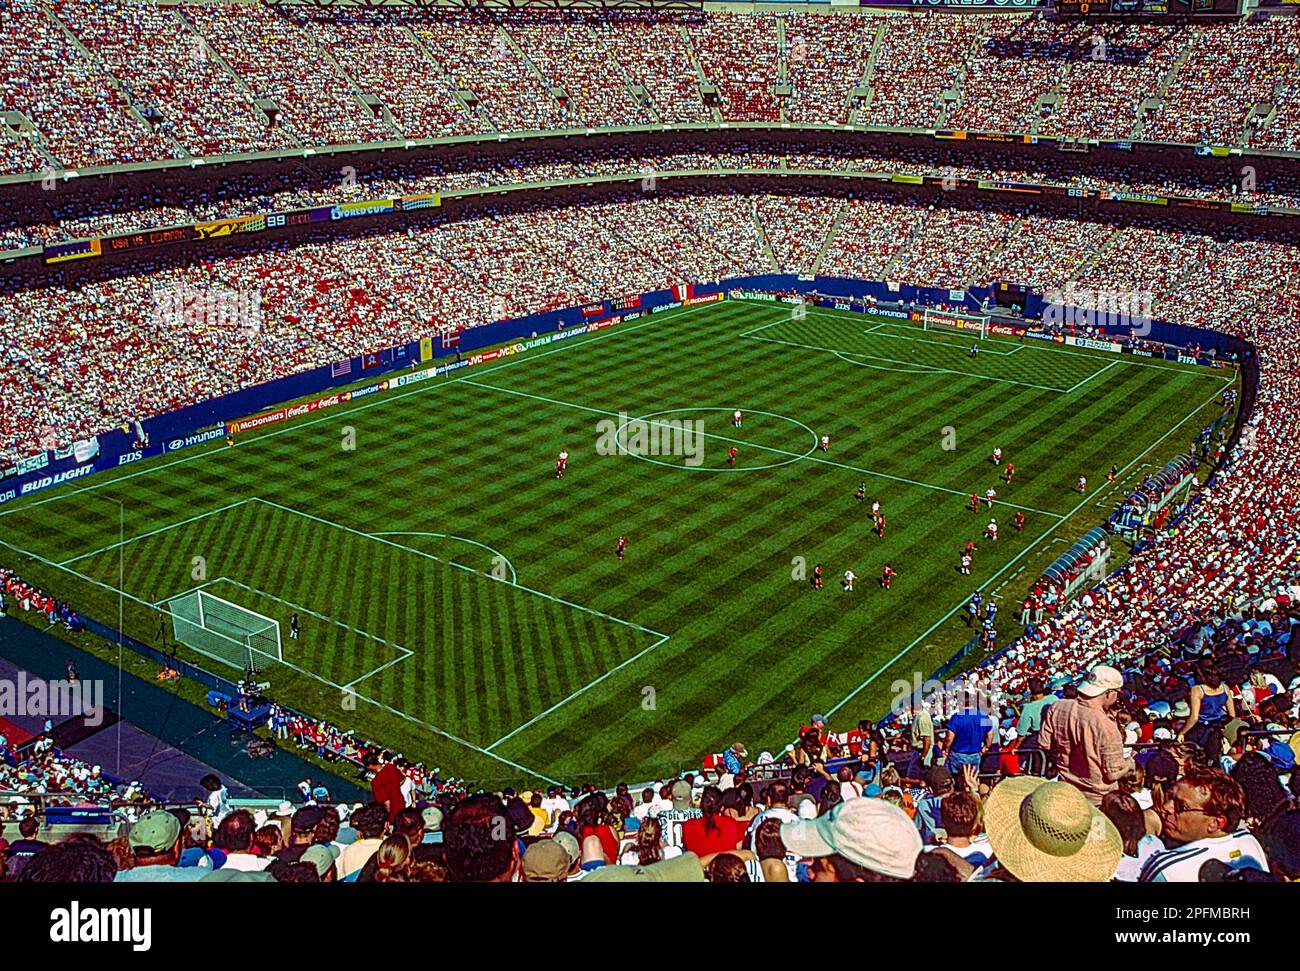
655,460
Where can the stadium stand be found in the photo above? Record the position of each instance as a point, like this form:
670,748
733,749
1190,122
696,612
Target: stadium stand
1165,702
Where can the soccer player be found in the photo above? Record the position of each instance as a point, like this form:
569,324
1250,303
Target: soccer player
826,443
1010,472
1083,484
1114,471
973,608
887,576
230,441
620,547
293,627
562,463
862,492
880,526
965,564
997,455
731,455
991,530
970,548
875,508
1020,520
849,577
735,418
974,350
817,577
974,503
989,496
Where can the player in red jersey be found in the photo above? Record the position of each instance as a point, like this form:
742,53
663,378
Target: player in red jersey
621,547
731,455
817,577
887,576
974,503
1114,471
1020,520
1010,472
880,525
970,548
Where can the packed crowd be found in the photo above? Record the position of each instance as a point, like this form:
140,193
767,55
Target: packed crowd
1177,767
120,82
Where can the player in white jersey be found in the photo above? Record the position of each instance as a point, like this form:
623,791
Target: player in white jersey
989,496
997,456
826,443
991,530
736,418
1083,484
875,509
849,577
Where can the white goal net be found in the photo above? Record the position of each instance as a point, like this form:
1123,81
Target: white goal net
224,631
977,325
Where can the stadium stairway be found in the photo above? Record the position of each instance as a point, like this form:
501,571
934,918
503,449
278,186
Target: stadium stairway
159,713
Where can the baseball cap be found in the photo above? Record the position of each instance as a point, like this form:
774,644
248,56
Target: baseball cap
158,830
570,844
681,794
321,856
869,832
546,861
306,819
1101,679
680,869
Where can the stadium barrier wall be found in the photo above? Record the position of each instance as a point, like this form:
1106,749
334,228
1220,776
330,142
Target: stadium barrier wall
326,387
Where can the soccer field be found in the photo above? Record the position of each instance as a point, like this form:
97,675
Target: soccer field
460,603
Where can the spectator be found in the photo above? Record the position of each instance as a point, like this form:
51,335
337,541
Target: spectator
1200,821
1084,741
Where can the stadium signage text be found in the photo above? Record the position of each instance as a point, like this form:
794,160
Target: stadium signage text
198,438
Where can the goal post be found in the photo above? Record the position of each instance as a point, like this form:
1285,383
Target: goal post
224,631
947,320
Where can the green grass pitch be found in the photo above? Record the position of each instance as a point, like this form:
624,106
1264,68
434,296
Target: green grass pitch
463,605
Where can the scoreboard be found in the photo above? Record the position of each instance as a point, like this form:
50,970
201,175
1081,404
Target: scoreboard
1148,8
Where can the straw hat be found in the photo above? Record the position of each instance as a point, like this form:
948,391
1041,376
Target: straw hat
1047,832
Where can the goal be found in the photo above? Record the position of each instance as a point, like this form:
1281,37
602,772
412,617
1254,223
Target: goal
224,631
977,324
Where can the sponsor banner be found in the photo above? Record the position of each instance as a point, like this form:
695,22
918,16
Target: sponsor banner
1133,197
128,457
81,250
229,227
750,295
1093,344
1004,330
889,312
629,301
1040,335
426,349
368,207
708,298
196,438
423,201
53,480
1138,352
593,309
665,306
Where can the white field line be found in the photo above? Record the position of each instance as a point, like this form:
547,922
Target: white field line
1028,549
155,532
765,448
